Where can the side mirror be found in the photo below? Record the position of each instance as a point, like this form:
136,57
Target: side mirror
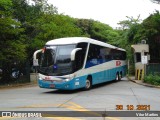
35,60
73,53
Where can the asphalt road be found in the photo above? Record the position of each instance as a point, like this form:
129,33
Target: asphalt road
106,97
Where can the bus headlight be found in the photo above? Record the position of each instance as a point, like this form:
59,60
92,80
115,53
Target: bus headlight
40,78
72,76
66,80
69,77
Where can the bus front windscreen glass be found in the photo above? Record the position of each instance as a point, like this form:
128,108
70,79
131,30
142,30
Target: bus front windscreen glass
56,60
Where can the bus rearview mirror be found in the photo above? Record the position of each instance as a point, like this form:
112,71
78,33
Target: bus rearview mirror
35,60
73,53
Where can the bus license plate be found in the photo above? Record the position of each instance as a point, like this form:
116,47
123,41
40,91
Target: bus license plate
52,86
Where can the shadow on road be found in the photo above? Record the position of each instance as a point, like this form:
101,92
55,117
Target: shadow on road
81,90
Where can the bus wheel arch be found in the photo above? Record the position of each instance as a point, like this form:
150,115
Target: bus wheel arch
88,82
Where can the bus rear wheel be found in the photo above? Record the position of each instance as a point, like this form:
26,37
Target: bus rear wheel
118,77
88,84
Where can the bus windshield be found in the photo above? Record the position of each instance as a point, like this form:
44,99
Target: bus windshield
56,60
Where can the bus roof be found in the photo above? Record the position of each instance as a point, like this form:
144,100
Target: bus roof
75,40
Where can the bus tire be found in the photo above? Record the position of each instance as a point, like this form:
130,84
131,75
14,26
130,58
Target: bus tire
88,84
118,77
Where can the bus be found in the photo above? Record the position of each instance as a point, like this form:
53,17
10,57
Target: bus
79,62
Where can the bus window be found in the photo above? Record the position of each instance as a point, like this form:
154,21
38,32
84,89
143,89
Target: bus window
95,55
106,54
118,55
123,55
80,56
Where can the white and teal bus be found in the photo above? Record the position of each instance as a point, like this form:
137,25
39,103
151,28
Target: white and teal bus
79,62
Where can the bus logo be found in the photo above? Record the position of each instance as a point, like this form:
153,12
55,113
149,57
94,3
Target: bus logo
47,78
118,63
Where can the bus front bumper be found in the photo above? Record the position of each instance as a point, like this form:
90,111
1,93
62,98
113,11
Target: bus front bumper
70,85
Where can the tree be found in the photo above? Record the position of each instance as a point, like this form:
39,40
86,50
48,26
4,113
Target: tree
96,30
151,31
100,31
45,7
11,40
32,18
85,25
131,29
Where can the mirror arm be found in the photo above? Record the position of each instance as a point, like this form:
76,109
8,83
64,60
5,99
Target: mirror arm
35,60
74,52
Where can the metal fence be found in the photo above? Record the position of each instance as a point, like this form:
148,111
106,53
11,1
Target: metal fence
21,73
18,73
153,68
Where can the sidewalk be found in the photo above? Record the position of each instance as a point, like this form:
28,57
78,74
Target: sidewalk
132,78
18,85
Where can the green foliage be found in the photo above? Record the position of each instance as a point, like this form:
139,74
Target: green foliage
12,44
10,35
56,26
96,30
100,31
85,25
151,25
152,79
131,70
14,50
20,10
151,31
129,30
5,7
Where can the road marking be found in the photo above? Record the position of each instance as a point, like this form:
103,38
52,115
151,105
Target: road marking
76,107
112,118
69,105
40,106
5,118
55,117
66,118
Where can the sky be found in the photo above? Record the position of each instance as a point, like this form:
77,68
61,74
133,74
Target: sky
106,11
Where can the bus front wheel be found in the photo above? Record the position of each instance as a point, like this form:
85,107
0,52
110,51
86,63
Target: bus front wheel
88,84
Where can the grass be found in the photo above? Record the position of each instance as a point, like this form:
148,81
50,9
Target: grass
152,79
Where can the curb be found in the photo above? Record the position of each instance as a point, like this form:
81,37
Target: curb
144,84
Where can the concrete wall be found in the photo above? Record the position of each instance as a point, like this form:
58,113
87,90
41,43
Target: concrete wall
33,77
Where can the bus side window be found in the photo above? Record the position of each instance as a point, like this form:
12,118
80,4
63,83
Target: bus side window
95,56
104,53
79,60
118,55
80,56
108,57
